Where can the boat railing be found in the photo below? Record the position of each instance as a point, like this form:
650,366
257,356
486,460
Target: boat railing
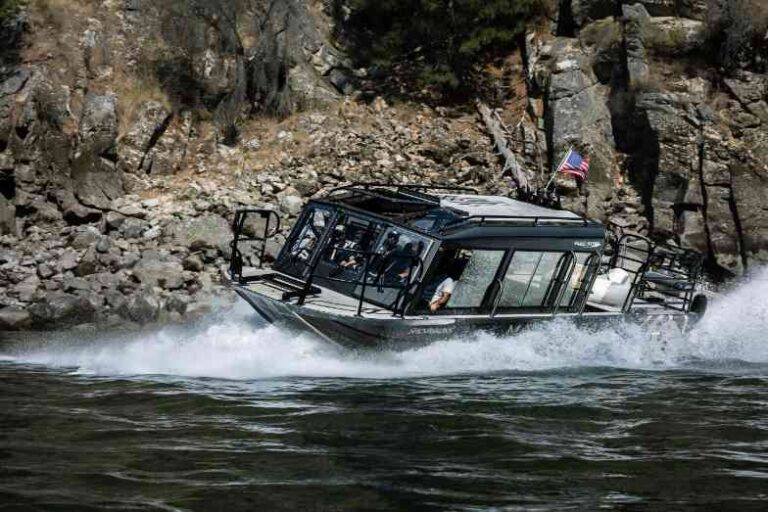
514,220
238,228
378,279
660,273
409,188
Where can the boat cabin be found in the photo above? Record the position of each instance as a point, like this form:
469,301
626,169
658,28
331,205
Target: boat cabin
447,251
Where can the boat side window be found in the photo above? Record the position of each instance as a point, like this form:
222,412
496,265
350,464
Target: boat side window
395,252
461,280
527,278
392,262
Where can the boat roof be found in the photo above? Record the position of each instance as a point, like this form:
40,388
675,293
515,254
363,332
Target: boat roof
455,212
500,206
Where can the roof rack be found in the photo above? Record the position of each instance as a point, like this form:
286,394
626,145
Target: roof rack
418,192
506,220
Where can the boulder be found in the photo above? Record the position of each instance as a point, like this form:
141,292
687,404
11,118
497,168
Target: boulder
152,119
132,227
163,274
87,264
193,263
291,205
85,238
13,319
209,231
142,308
68,260
61,309
578,116
95,178
27,288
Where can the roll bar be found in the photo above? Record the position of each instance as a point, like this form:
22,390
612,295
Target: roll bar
236,260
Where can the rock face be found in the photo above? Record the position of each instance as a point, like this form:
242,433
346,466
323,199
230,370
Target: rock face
675,154
126,145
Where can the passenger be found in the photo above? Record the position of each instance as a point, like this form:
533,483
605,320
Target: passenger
338,240
383,254
350,255
302,249
405,260
445,289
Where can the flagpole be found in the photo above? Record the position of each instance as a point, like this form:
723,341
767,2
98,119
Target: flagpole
557,169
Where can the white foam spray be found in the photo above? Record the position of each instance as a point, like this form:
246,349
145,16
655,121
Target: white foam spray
734,329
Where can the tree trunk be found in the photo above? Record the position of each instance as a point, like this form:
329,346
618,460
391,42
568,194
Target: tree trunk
500,140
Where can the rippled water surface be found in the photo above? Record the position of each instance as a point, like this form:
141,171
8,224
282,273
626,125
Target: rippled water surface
238,416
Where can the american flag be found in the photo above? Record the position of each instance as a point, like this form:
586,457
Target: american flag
575,165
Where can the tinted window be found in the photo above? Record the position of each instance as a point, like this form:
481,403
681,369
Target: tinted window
478,275
527,279
468,272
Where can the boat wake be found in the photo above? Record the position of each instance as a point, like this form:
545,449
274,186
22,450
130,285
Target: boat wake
232,347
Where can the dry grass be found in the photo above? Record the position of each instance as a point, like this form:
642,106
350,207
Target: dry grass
133,92
603,34
665,41
59,14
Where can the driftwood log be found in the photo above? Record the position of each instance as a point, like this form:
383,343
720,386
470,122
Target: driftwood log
500,141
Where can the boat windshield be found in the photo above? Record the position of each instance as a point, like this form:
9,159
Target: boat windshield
357,254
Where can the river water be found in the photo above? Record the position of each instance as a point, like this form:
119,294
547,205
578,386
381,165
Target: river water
234,415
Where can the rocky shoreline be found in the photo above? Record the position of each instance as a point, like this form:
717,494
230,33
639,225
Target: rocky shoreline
159,259
126,146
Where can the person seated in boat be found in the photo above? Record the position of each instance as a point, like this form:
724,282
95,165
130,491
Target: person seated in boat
338,239
349,256
404,259
302,249
446,283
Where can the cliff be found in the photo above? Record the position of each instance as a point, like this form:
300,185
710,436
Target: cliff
130,130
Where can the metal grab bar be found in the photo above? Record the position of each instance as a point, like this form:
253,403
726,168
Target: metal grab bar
591,267
564,283
499,295
236,258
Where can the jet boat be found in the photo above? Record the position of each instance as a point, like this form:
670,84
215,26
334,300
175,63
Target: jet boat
393,266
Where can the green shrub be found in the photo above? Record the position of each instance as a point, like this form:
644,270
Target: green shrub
445,41
8,8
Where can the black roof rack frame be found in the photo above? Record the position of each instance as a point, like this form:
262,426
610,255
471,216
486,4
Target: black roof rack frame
516,220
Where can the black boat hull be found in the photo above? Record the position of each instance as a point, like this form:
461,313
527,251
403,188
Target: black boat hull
400,333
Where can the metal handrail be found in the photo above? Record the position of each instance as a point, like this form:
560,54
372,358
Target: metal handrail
564,282
582,294
236,259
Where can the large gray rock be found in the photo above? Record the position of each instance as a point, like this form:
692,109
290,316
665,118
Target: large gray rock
96,179
209,231
142,308
578,116
635,29
62,309
164,274
13,319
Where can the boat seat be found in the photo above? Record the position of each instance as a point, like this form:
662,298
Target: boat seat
611,289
